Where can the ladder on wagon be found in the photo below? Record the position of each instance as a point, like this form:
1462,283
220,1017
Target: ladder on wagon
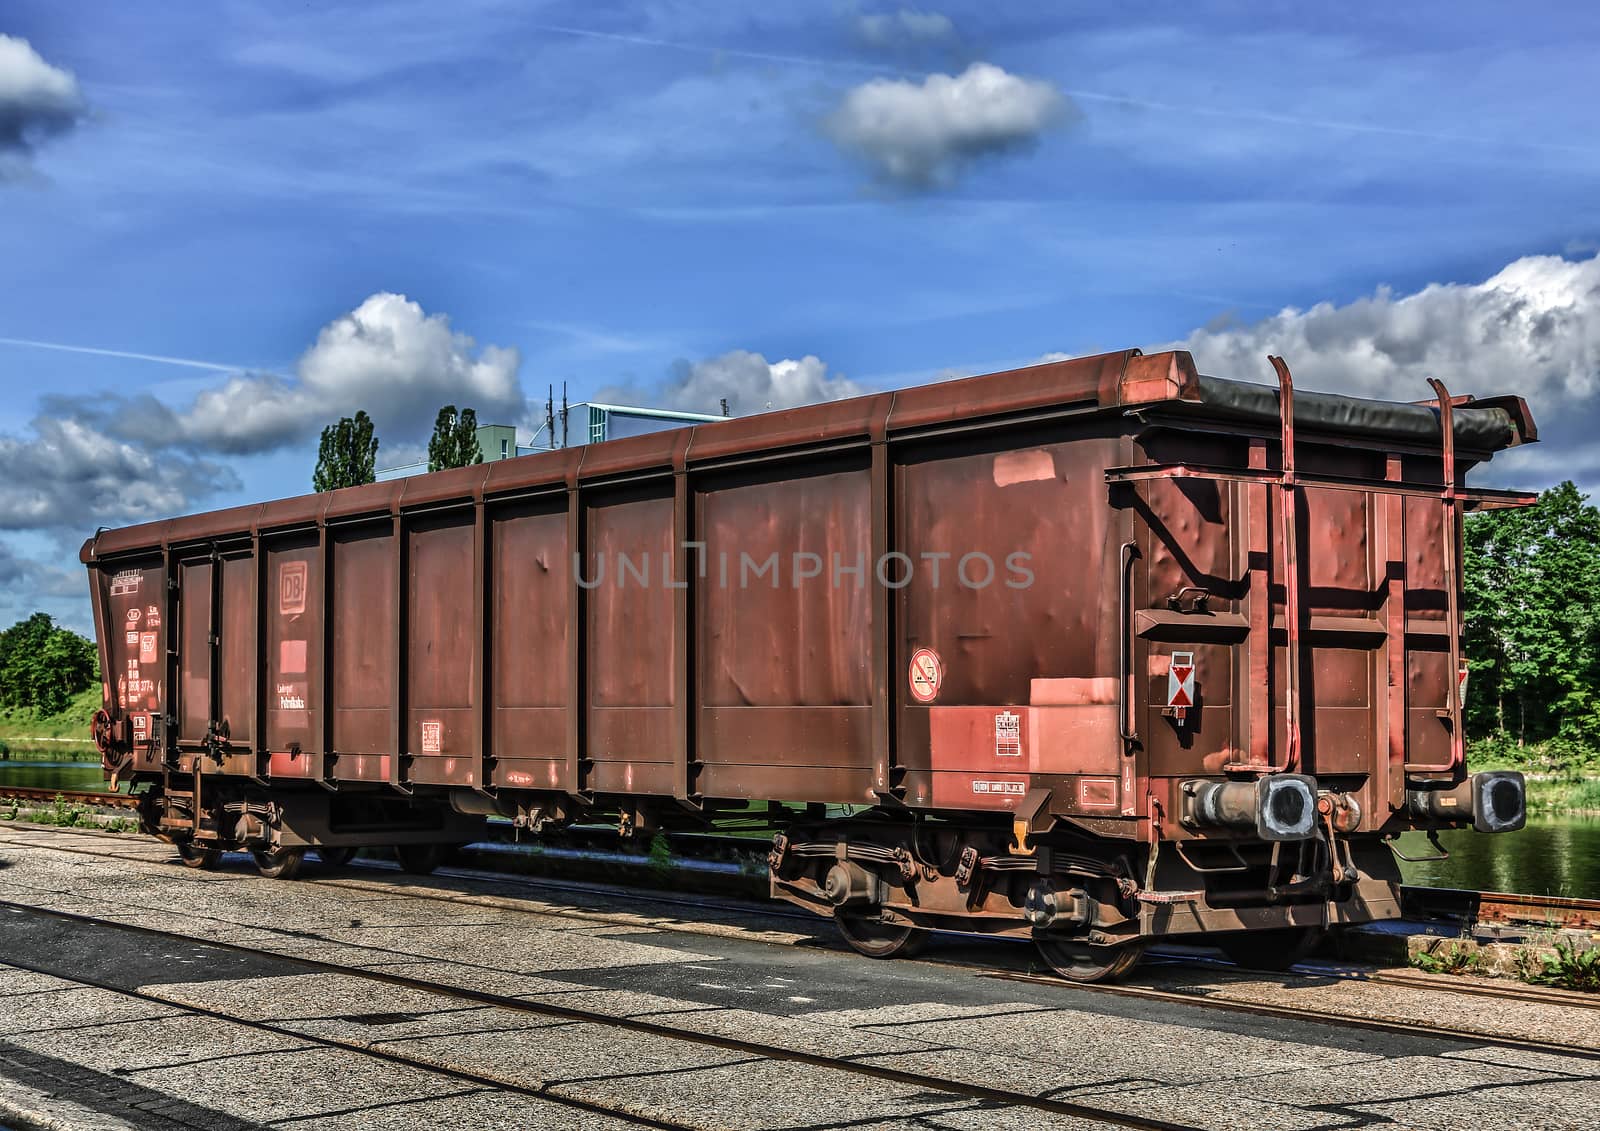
1286,483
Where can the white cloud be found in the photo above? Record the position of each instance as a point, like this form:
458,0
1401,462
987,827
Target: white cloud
37,101
387,357
388,347
748,380
891,29
1533,328
71,475
924,135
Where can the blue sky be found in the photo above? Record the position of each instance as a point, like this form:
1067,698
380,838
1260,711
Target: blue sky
629,195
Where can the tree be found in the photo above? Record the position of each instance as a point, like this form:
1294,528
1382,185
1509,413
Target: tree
455,439
42,665
1533,620
347,456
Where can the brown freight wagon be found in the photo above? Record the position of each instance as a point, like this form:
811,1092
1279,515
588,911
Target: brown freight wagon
1099,651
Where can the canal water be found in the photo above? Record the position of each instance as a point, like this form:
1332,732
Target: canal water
1552,856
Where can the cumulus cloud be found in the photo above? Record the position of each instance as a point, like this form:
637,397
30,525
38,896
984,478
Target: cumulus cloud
1533,328
905,25
386,356
37,101
748,380
921,136
19,572
70,476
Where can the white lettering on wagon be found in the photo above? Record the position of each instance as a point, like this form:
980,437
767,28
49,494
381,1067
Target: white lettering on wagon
980,785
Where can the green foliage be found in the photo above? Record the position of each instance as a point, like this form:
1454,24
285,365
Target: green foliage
1571,968
348,455
455,439
1451,958
660,855
42,666
1532,586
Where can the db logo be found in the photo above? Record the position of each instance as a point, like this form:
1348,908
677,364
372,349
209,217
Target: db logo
292,588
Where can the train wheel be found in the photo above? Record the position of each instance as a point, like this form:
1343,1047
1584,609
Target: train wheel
419,859
1078,961
1270,950
877,939
279,863
197,856
335,857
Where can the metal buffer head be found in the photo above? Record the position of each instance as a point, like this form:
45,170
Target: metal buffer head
1276,806
1495,801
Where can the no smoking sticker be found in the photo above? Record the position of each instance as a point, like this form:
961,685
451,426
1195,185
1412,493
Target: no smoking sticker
927,673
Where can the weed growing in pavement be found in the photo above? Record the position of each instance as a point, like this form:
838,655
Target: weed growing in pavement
1571,968
61,813
1451,958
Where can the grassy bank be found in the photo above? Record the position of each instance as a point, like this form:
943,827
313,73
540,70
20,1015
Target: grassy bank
26,735
1553,795
1563,777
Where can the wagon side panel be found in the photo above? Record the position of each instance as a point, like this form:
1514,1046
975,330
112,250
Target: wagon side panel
784,633
631,643
364,607
531,591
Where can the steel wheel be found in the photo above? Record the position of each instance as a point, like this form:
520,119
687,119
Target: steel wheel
196,855
1079,961
1270,950
335,857
279,863
876,939
419,859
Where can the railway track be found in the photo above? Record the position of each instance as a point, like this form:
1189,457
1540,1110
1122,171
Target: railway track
303,1037
958,1089
1195,998
1456,904
69,796
1449,904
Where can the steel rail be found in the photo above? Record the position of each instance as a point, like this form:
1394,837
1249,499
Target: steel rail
922,1080
477,1079
1313,1016
70,796
1518,993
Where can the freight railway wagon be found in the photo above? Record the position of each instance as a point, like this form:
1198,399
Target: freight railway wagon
1100,651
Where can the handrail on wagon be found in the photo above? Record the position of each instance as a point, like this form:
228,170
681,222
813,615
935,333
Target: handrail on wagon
1453,498
1449,519
1291,566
